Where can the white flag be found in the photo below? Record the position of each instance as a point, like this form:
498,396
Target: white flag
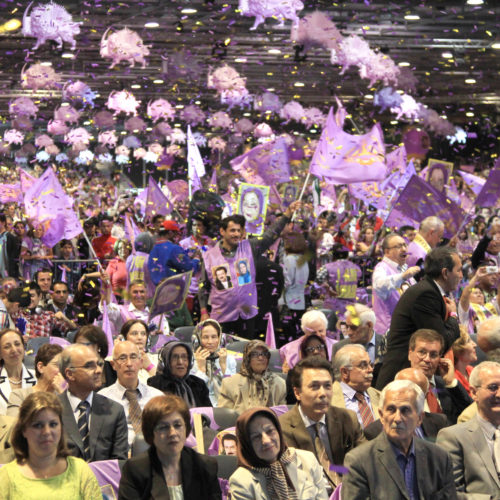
194,157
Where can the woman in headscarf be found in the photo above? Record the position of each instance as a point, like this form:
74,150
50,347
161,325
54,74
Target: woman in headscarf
268,469
172,375
255,385
212,361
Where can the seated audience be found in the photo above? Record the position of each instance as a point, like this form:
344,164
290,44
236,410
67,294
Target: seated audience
13,374
352,389
255,385
394,465
95,426
48,377
212,362
268,468
473,445
313,424
464,355
128,390
169,469
43,467
172,375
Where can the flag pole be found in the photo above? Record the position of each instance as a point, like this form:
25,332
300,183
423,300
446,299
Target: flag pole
302,192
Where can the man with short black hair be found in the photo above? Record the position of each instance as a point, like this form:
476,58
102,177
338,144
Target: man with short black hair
9,306
103,244
9,266
424,305
59,303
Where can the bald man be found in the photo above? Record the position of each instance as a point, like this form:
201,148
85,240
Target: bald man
432,423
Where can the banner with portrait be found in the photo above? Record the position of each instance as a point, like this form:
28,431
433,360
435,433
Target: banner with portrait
170,294
252,204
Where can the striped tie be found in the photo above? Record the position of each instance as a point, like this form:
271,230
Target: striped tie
364,409
323,459
134,410
83,427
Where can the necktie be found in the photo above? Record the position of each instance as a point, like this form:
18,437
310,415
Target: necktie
496,450
134,410
322,455
364,409
432,401
83,427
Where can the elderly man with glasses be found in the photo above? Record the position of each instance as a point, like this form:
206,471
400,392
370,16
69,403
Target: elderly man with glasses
95,426
390,278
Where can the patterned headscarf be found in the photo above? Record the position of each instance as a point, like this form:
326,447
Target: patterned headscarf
259,389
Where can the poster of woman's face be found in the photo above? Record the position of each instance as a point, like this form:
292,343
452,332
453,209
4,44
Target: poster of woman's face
289,194
252,204
243,272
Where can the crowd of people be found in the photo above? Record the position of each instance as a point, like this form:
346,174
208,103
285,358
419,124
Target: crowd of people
358,360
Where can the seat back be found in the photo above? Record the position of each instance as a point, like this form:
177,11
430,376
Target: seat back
34,344
226,466
139,445
184,333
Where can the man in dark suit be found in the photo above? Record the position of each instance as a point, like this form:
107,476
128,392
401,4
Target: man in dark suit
313,424
424,305
360,322
395,465
95,426
432,423
59,304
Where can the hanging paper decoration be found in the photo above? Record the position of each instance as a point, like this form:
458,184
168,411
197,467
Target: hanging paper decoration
77,136
460,136
160,109
22,123
279,9
200,139
43,140
225,78
313,116
105,158
79,92
124,45
220,119
50,22
108,138
62,158
123,101
236,97
435,123
23,106
42,156
162,130
263,130
182,65
84,157
292,110
316,30
13,137
243,126
104,119
178,136
57,127
52,149
193,115
131,141
139,153
387,98
135,124
407,81
407,108
268,102
67,114
217,144
39,77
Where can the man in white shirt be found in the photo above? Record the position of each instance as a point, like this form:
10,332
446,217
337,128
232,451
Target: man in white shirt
128,390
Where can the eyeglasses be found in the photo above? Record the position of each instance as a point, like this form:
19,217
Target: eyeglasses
422,353
364,365
259,354
398,247
90,366
164,428
179,357
124,358
493,388
351,327
315,348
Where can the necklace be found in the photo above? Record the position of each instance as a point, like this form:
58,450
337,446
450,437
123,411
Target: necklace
13,381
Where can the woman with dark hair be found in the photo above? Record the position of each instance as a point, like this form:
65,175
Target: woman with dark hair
268,468
43,467
212,361
13,374
168,470
255,385
137,332
117,269
252,201
172,375
48,377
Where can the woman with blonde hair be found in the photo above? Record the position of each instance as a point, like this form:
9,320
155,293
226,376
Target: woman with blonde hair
42,468
464,353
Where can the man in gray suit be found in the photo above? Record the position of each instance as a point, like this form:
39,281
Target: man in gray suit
395,465
95,426
472,445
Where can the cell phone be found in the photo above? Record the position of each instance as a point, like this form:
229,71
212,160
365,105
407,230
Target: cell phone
491,269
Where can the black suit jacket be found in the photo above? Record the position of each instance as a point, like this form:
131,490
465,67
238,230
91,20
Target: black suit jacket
108,429
453,400
432,423
142,477
421,306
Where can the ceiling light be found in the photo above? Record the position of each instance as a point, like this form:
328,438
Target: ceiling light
470,80
469,113
188,10
179,106
274,51
298,84
152,24
135,86
447,55
10,25
197,102
412,17
68,55
404,63
368,96
158,81
64,104
247,114
272,89
496,45
46,63
475,2
393,122
241,59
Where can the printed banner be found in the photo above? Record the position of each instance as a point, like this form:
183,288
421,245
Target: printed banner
170,294
252,204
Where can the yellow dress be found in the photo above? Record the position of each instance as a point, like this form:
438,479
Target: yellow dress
77,482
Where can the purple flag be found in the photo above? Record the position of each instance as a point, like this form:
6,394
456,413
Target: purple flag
419,200
170,294
157,202
396,160
27,180
47,204
212,186
342,158
266,164
474,182
270,338
10,192
489,194
194,180
131,230
63,275
106,327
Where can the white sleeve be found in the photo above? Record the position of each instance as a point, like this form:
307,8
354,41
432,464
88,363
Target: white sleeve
383,285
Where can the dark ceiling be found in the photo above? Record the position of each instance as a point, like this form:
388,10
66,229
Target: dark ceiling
216,33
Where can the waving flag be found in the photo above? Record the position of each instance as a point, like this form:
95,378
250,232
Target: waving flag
342,158
266,164
27,180
10,193
419,200
195,161
47,204
475,182
156,202
489,194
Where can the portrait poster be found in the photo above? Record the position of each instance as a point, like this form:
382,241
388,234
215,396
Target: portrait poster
170,294
289,193
252,204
